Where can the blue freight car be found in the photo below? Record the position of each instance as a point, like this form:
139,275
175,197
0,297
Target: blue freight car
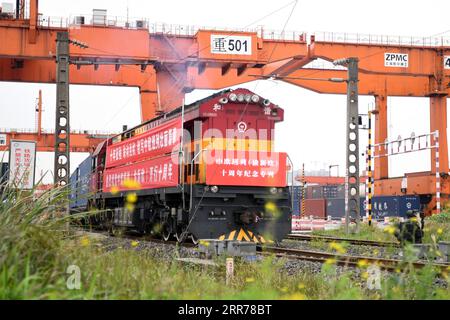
79,185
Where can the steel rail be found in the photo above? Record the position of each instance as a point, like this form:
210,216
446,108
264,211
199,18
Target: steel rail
346,260
374,243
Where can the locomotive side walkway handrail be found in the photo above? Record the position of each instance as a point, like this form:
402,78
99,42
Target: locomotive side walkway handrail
190,182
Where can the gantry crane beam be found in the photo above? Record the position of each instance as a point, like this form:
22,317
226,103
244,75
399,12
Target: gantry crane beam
163,63
79,142
424,76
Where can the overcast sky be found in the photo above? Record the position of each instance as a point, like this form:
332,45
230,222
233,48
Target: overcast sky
314,128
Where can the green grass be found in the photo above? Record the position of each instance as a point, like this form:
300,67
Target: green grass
437,227
38,247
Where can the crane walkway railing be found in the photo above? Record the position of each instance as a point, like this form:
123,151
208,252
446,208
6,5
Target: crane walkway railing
52,131
76,21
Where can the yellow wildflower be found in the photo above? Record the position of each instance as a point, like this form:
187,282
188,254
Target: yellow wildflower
337,246
390,229
398,270
439,231
284,289
295,296
134,243
250,279
301,286
270,206
204,243
376,252
330,261
363,263
85,241
129,207
131,184
131,197
365,275
114,190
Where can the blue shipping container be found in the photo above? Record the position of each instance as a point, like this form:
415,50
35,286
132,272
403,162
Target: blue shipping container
80,183
382,206
394,206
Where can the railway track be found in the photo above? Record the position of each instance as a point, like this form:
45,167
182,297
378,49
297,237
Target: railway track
344,260
304,237
297,254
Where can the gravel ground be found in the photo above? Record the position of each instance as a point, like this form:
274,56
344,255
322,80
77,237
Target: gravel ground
291,266
354,250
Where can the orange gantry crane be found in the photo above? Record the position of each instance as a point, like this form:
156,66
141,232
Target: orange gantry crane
167,61
81,141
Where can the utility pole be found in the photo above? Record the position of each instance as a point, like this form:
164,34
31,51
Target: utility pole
62,127
39,114
352,200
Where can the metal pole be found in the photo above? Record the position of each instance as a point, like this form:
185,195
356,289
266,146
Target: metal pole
369,172
352,162
39,115
438,175
62,127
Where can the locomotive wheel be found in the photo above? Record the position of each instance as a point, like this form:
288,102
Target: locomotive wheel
166,232
194,239
178,236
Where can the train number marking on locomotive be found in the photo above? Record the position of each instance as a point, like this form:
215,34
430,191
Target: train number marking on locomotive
228,44
398,60
446,62
217,107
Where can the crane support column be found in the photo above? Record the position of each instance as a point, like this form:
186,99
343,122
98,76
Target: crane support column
381,167
438,121
62,128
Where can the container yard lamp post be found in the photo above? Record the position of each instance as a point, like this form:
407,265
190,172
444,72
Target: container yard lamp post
333,166
352,200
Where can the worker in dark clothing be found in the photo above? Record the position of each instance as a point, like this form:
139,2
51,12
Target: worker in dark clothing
411,230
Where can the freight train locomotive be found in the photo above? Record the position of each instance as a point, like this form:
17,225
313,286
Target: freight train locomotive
206,170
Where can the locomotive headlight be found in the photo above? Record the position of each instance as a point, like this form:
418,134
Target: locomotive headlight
223,100
232,96
266,102
255,98
248,98
214,189
273,190
240,97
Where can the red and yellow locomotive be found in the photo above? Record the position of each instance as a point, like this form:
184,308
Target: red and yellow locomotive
205,170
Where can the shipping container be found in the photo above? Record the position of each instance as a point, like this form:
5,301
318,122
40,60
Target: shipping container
382,206
296,199
80,184
336,207
316,192
315,208
394,206
4,166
